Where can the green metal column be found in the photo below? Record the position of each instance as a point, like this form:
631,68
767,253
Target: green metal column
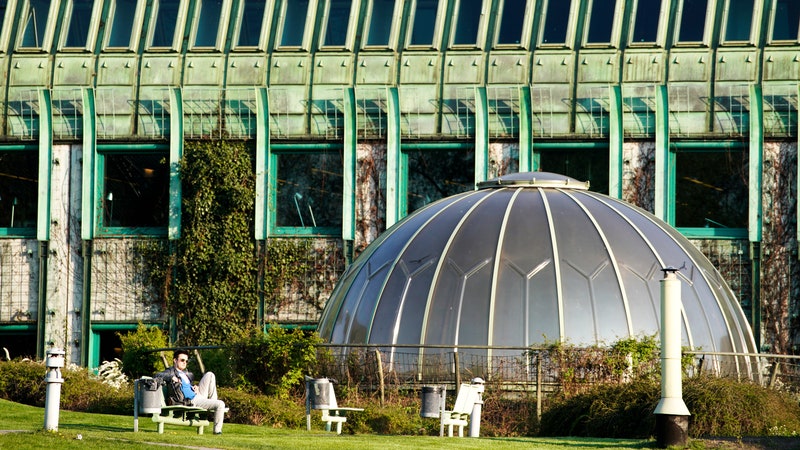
262,164
349,170
393,155
175,155
662,175
481,134
615,140
87,223
755,206
525,132
43,217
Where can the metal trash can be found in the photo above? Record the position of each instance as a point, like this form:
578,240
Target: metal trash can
319,393
150,395
432,399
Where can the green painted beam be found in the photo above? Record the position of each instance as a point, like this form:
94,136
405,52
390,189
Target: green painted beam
127,147
662,175
481,134
309,146
756,162
262,164
525,130
435,145
175,155
393,156
89,156
45,158
615,141
349,170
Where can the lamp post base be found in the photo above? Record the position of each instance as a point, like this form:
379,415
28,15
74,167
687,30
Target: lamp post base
671,430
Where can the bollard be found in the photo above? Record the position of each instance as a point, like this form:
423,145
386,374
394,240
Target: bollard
54,363
475,417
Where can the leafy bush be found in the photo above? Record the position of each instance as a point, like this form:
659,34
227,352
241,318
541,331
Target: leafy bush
138,357
274,362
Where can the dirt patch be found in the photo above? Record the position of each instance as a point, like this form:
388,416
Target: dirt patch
748,443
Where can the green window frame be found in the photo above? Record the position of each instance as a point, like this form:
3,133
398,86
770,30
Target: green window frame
35,29
132,194
6,23
381,24
468,27
647,27
583,161
741,19
19,192
513,29
81,21
295,24
694,22
425,23
339,24
557,27
210,15
252,23
602,23
708,190
785,22
167,19
432,171
125,19
306,191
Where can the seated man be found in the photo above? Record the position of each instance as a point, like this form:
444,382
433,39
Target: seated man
183,392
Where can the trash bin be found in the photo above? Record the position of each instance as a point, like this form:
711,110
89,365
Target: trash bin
319,393
150,395
432,399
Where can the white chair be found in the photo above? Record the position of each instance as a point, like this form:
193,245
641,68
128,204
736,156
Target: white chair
331,411
468,395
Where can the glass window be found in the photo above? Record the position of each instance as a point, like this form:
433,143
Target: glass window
135,190
309,191
739,20
582,165
251,23
786,20
467,21
381,18
423,22
556,21
34,23
693,21
294,23
19,187
711,189
435,174
122,17
78,22
511,22
208,14
166,21
645,25
338,23
601,21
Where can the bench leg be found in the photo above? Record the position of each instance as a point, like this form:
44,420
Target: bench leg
160,427
338,427
200,430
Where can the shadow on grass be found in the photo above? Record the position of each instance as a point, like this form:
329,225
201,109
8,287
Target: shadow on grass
574,442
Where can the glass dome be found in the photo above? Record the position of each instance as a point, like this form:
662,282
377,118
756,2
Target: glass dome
524,260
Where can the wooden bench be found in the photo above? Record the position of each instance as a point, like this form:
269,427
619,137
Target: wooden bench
468,395
147,401
331,411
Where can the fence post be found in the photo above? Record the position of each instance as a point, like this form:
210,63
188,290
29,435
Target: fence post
773,373
380,372
199,361
539,386
458,372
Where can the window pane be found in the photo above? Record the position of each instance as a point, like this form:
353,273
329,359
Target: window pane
436,174
582,165
165,23
208,23
555,22
309,191
424,22
136,191
601,21
123,13
252,20
78,25
693,21
740,18
19,183
468,19
511,21
645,29
380,22
34,24
294,23
711,189
338,20
787,17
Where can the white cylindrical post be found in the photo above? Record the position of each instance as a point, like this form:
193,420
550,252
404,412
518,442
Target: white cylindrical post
475,416
52,402
672,415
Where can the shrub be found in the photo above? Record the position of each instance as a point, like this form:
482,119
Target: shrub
138,357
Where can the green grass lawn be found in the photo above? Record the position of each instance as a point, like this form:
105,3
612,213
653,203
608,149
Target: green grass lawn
21,428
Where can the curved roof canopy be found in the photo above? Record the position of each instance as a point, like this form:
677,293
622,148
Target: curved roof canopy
526,259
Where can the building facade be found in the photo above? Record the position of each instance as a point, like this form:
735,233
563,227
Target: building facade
359,112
